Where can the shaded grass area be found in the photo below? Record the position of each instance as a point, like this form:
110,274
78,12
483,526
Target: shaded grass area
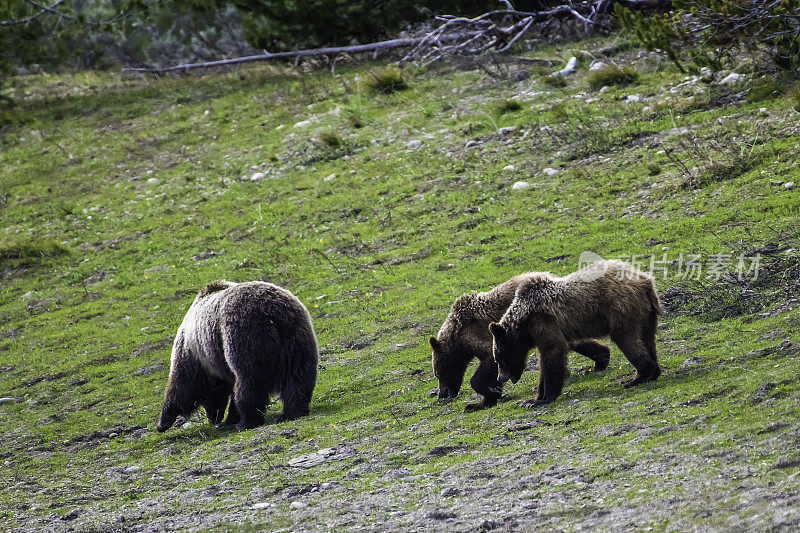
16,252
369,207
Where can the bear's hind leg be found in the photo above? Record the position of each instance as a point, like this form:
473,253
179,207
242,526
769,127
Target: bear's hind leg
250,396
601,355
485,383
637,352
299,386
649,340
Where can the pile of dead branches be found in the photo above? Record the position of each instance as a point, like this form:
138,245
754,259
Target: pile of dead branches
499,30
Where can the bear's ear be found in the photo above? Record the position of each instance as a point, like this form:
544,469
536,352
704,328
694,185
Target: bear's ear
434,343
497,330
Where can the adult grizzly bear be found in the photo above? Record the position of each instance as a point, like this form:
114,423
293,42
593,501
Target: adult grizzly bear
241,341
465,335
550,313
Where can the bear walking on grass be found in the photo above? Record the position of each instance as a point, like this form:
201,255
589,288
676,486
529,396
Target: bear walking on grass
240,342
550,313
465,335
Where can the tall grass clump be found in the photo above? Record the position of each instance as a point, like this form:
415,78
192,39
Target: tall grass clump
507,105
385,81
612,75
26,251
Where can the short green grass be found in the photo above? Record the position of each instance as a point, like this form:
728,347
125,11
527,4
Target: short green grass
156,186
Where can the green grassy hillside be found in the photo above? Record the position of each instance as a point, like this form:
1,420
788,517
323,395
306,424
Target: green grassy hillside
122,196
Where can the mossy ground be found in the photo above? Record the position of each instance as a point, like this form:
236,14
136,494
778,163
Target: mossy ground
147,183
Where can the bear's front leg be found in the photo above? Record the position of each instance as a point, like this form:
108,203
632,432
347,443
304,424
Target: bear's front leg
485,383
553,350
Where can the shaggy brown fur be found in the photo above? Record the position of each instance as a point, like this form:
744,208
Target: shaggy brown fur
550,313
465,335
239,342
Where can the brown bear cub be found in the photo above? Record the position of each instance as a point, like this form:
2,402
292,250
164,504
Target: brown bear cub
550,313
241,342
465,335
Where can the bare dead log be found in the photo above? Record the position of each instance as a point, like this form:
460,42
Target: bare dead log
294,54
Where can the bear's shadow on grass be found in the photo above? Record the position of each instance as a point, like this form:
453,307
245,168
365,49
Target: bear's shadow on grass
197,434
609,387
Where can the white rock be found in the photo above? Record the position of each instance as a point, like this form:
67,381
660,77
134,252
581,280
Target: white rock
731,78
302,124
789,185
520,185
130,470
296,505
326,451
471,144
414,144
262,505
152,180
281,127
329,178
568,69
597,65
550,171
257,176
506,130
29,294
207,112
633,98
509,167
6,400
706,72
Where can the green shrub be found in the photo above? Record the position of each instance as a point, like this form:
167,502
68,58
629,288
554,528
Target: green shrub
764,89
710,31
554,80
385,81
14,116
356,117
507,105
794,99
331,139
612,75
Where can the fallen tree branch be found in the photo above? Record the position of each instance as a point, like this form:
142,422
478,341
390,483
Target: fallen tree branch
44,9
295,54
51,9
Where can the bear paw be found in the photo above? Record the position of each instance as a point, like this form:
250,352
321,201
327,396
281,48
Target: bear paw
535,403
474,407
